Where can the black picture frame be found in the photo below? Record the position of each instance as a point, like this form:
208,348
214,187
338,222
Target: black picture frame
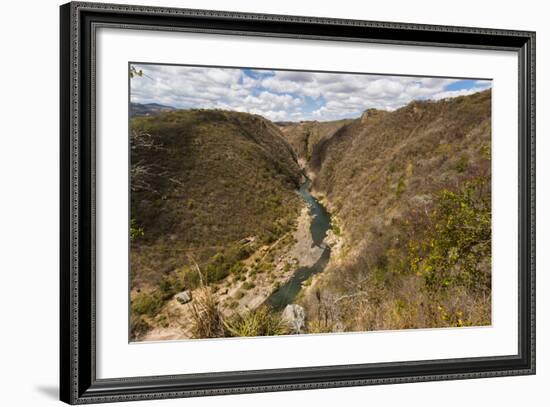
78,382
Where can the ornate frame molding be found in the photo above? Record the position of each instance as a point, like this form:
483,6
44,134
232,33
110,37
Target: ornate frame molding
78,380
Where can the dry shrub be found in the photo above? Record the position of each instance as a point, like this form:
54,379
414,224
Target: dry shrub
138,326
322,310
408,305
206,318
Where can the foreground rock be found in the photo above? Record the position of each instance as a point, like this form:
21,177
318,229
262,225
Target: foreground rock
184,297
294,316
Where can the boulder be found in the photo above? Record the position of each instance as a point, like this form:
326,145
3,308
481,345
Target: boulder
294,316
184,297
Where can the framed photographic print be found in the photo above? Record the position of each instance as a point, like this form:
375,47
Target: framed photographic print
256,203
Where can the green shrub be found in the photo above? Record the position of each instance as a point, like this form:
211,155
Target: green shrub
462,164
216,272
146,303
238,269
486,150
248,285
335,227
260,322
400,187
460,238
136,231
191,278
228,262
171,285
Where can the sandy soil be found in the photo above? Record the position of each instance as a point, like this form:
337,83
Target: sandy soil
177,317
304,250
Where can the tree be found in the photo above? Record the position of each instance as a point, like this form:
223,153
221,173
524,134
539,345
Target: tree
141,173
457,245
135,72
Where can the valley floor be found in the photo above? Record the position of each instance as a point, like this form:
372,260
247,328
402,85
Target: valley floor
236,296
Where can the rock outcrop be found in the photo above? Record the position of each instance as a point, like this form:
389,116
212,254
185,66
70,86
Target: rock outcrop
294,316
184,297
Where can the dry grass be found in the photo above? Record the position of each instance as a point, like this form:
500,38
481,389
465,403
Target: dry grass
220,177
208,322
206,318
204,180
212,179
383,178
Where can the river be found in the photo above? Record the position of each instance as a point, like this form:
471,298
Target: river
320,225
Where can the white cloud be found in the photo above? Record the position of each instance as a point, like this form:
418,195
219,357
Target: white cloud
287,95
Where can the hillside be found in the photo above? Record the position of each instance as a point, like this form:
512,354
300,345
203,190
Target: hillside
391,228
409,192
303,136
208,188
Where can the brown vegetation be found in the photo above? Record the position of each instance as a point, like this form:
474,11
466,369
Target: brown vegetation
214,209
209,188
304,136
411,191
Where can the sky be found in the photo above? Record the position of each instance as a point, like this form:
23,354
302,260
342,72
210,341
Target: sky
289,95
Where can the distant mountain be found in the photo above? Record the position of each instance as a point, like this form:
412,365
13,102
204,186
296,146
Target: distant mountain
148,109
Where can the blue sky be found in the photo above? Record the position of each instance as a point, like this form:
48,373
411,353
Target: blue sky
289,95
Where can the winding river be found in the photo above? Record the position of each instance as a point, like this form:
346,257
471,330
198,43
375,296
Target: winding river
320,225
